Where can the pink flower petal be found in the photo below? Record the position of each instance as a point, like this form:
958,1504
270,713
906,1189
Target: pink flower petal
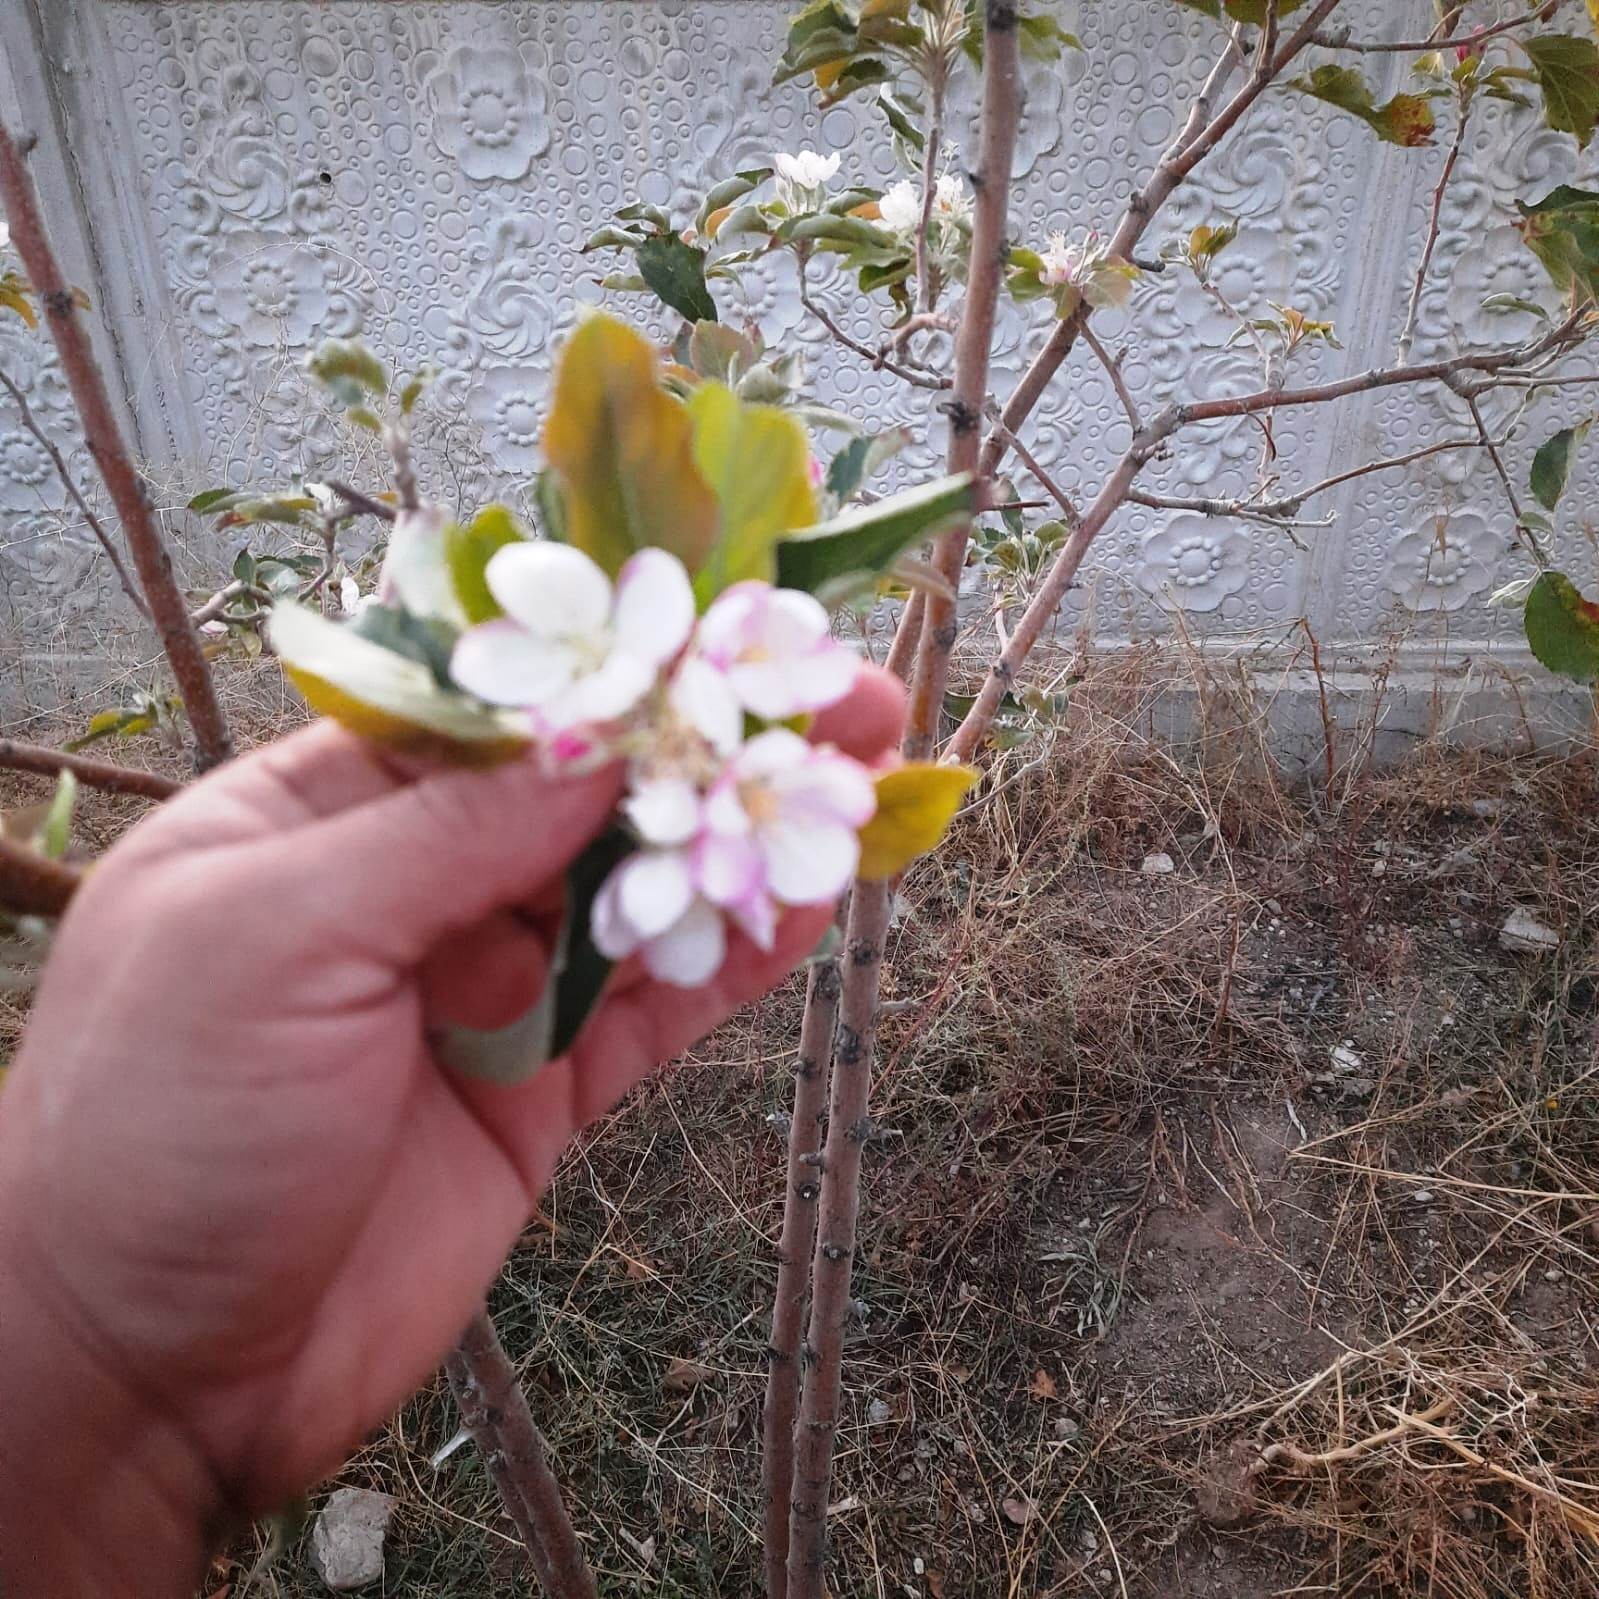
829,787
691,952
502,663
757,918
614,936
727,871
654,607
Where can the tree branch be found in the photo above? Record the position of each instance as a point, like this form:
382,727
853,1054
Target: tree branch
1113,370
34,885
1407,338
1341,38
878,358
812,1072
1199,136
168,609
43,762
74,493
494,1410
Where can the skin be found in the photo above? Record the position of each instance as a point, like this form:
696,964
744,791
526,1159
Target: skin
244,1212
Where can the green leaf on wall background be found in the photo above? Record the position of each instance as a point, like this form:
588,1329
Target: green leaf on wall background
467,550
1563,627
1567,70
675,273
1562,230
1551,466
1405,120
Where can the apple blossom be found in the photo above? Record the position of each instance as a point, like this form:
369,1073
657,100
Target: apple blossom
648,907
802,179
569,646
1102,279
901,207
951,202
774,652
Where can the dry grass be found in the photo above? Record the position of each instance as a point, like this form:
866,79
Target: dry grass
1228,1232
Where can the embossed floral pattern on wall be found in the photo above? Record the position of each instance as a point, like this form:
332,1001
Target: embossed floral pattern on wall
490,113
1194,563
1443,563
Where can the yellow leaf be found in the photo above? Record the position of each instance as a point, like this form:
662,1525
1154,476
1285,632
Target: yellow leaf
871,211
915,805
713,223
15,298
623,450
757,461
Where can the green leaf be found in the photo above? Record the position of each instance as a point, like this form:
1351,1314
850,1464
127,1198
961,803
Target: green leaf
1563,627
214,500
717,351
385,695
467,550
348,371
1562,230
860,458
725,195
1043,39
1506,304
1567,69
624,452
1250,11
1404,120
902,115
290,510
417,568
1551,466
56,834
865,542
124,722
757,462
915,805
675,273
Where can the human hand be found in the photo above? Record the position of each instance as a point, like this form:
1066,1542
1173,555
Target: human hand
243,1211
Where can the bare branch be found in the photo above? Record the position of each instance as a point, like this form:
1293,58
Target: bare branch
360,503
907,636
1407,338
878,358
43,762
1342,39
74,493
926,289
168,609
1052,488
34,885
1113,369
494,1410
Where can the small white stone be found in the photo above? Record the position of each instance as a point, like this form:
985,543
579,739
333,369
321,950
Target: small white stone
1524,934
347,1541
879,1411
1345,1059
1158,865
1422,1196
1485,808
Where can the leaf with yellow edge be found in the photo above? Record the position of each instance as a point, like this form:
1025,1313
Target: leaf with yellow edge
385,696
14,297
915,805
467,549
623,451
757,461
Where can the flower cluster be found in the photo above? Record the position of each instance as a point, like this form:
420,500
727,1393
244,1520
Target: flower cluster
736,814
802,179
1087,267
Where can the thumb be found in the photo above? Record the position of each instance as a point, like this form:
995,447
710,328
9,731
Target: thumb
399,873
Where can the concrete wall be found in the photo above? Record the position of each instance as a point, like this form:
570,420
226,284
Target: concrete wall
235,179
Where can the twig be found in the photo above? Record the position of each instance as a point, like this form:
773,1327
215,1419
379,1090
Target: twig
359,502
1290,1454
1407,338
34,885
494,1410
103,775
907,636
1340,39
1067,505
812,1073
1113,370
168,609
224,597
74,493
926,289
922,380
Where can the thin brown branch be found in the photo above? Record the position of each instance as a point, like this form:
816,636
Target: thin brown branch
362,503
812,1072
1301,1460
494,1410
907,636
214,607
168,609
1113,370
1434,221
926,288
1200,134
74,493
878,358
34,885
1067,505
43,762
1002,111
1343,39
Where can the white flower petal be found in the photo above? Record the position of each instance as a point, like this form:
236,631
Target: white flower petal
690,953
778,749
610,691
809,864
793,620
725,813
506,665
728,626
655,890
614,936
553,590
654,606
665,811
757,917
704,699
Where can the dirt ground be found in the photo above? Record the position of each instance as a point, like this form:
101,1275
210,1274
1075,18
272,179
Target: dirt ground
1229,1231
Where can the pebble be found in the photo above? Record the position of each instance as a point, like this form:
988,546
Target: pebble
1524,934
1158,865
347,1540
